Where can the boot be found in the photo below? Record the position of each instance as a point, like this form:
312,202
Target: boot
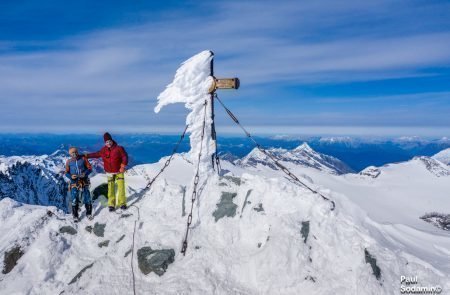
75,213
89,211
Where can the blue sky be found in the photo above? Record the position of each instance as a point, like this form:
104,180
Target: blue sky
309,67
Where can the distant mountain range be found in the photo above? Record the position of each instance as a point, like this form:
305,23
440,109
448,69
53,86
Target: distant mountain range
39,179
302,155
357,153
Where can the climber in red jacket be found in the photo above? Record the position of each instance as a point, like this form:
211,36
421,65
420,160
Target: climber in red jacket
115,161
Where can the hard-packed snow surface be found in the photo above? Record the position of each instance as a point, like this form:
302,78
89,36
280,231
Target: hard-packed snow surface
190,86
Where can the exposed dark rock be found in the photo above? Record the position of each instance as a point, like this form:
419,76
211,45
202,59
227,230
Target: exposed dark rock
11,257
120,239
100,190
373,263
127,253
305,230
235,180
33,184
259,208
311,278
126,215
99,229
246,201
439,220
154,260
103,244
68,230
225,207
434,166
78,276
371,171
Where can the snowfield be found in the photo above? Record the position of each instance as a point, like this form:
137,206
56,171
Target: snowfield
253,231
254,244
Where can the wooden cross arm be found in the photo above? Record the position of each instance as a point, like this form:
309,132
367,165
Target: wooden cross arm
224,83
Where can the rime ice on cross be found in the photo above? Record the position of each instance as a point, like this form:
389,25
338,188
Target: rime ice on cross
193,85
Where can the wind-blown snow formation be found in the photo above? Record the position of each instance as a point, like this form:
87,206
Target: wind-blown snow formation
190,86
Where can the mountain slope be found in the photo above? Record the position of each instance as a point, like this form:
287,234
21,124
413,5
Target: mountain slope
34,179
250,235
443,156
37,180
302,155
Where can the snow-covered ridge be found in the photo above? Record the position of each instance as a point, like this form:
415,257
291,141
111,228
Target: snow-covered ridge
434,166
302,155
443,156
275,236
53,163
36,180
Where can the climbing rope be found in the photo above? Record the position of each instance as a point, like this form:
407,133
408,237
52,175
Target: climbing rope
283,168
194,189
142,193
168,160
132,249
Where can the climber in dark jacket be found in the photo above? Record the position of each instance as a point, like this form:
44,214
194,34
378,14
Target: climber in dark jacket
115,161
77,171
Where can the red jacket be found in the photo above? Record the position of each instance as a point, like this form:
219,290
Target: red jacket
113,158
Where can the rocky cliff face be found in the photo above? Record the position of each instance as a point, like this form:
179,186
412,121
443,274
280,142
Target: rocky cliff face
36,180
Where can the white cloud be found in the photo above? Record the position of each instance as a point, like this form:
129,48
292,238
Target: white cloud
262,42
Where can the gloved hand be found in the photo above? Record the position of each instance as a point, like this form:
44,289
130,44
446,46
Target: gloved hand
82,175
74,176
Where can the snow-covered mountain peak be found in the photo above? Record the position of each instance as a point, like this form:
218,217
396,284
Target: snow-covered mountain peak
303,155
443,156
304,147
434,166
371,171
